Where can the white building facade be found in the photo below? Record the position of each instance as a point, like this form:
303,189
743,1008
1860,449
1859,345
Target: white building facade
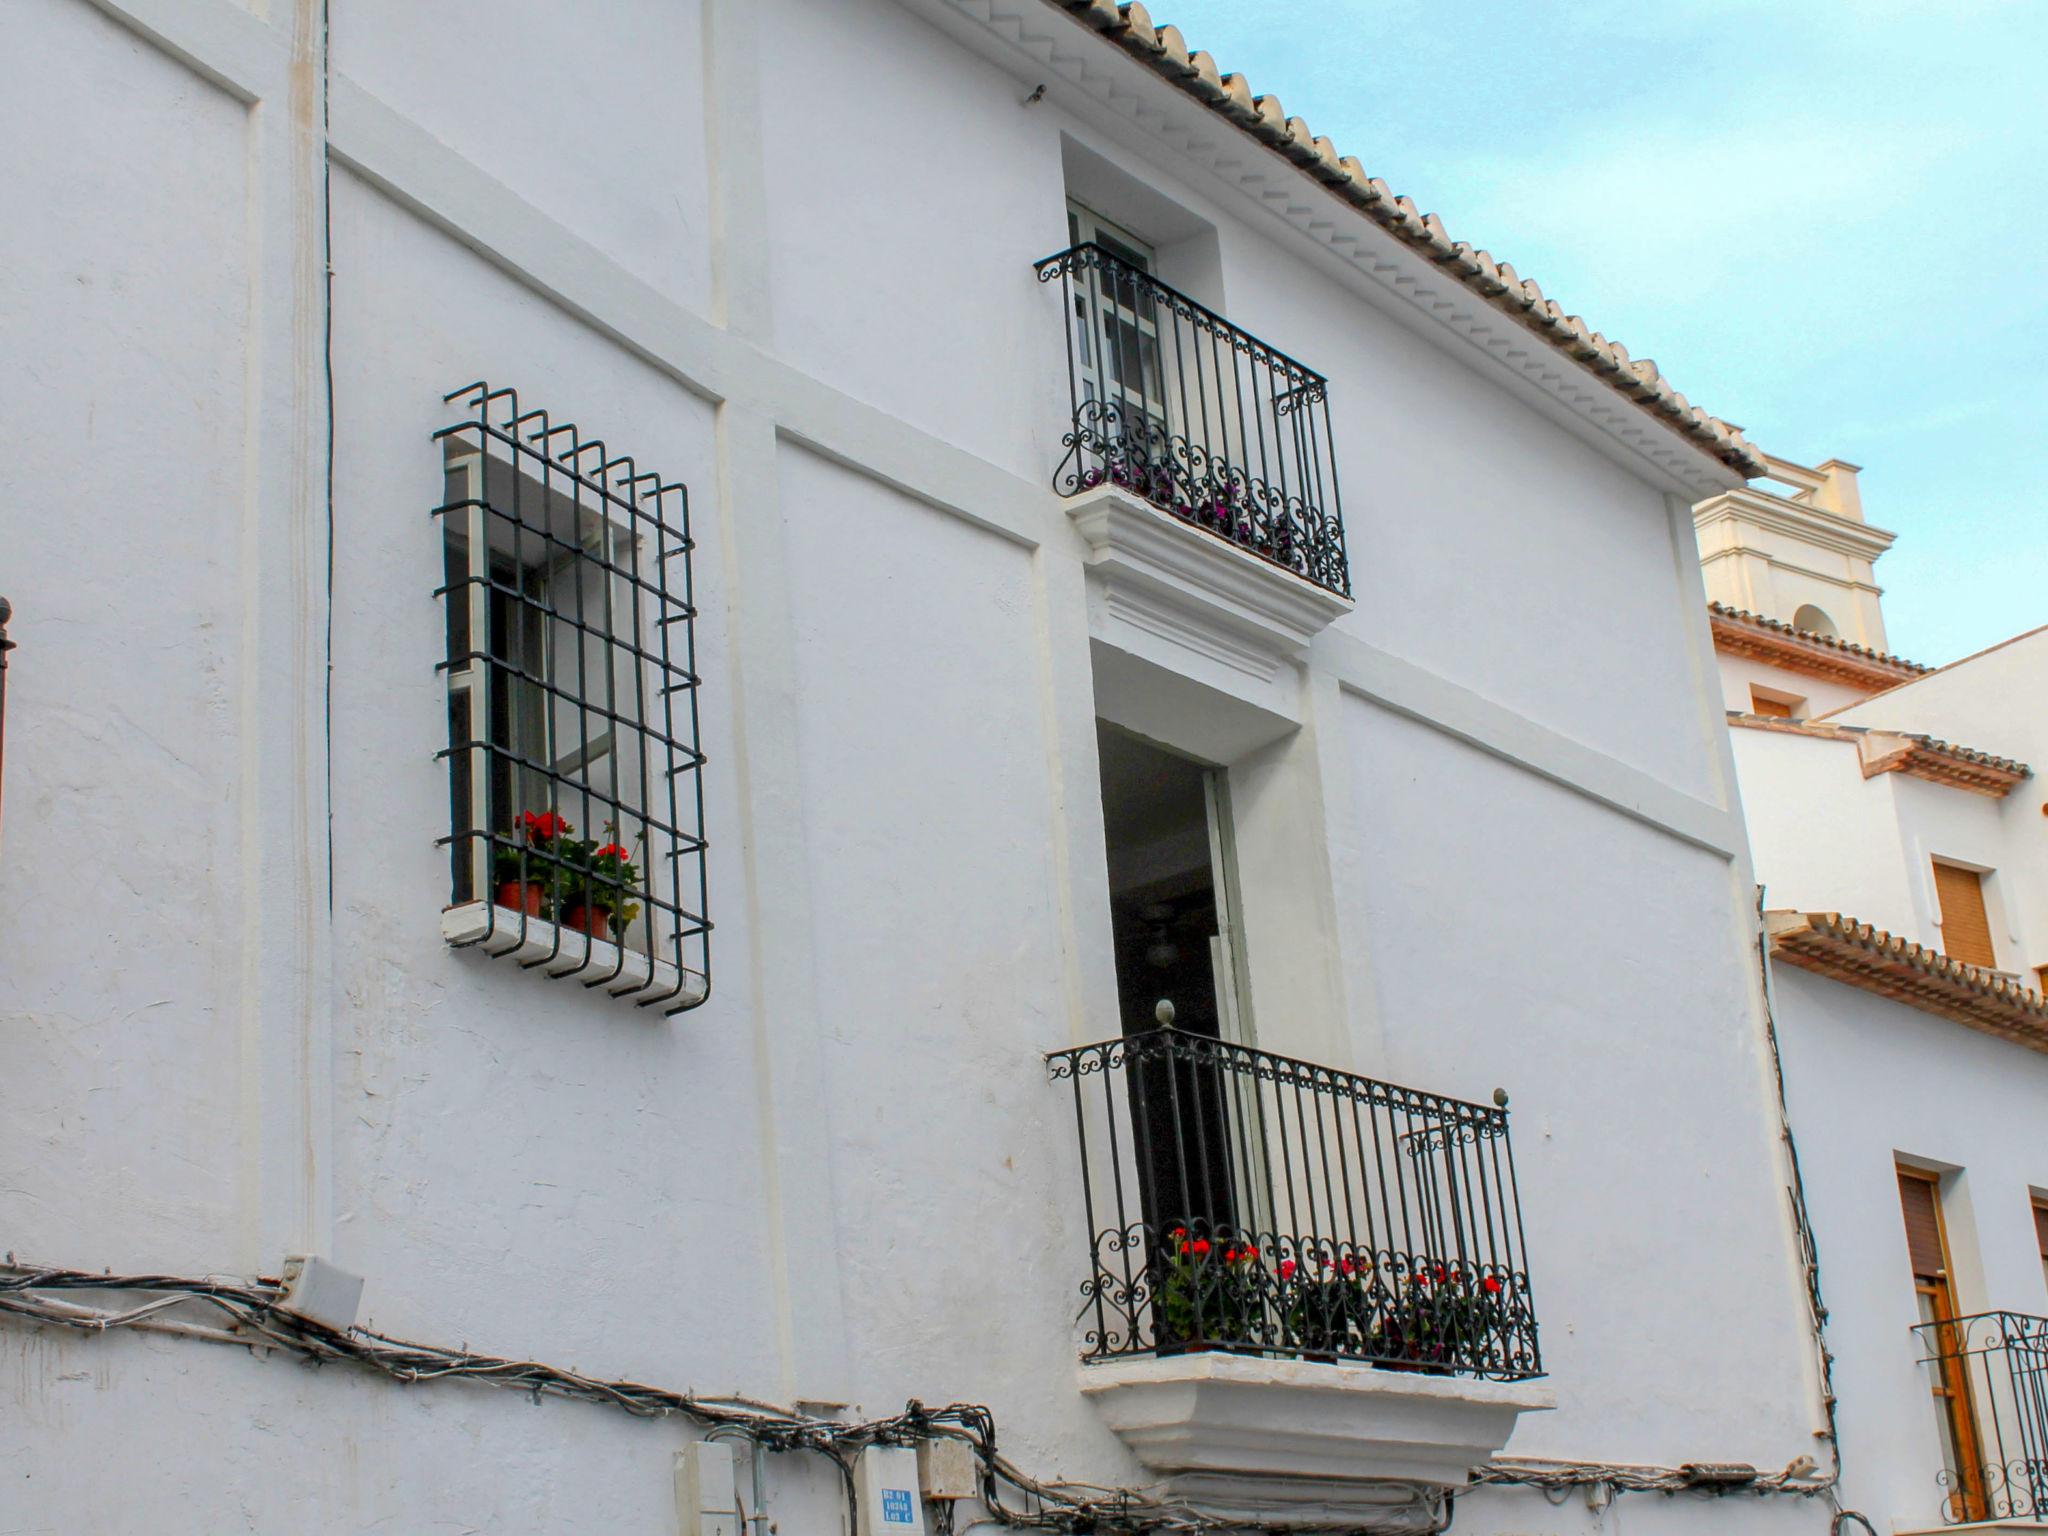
1040,536
1901,845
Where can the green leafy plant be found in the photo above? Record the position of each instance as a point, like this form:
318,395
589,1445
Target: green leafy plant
602,875
1210,1290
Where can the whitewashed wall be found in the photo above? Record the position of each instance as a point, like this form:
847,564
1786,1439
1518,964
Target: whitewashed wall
1995,701
1871,1082
1827,839
799,279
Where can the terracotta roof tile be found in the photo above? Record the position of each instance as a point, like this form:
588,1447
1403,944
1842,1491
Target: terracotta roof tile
1861,955
1907,752
1162,49
1742,633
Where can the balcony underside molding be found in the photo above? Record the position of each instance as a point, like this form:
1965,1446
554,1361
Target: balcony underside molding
1228,1431
1200,630
1212,584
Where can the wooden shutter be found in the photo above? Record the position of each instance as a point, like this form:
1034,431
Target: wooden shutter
1769,708
1965,930
1923,1225
2041,1228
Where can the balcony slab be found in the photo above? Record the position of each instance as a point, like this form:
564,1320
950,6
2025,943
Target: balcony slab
1232,1433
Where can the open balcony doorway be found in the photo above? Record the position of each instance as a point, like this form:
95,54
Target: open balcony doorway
1166,822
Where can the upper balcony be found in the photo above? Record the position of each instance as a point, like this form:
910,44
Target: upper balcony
1297,1278
1174,404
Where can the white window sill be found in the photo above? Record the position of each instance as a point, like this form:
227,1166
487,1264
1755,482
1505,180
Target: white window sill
570,954
1243,1432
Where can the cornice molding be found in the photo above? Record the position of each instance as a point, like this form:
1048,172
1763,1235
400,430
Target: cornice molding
1840,535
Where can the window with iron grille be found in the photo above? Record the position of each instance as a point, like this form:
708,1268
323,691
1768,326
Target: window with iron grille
575,782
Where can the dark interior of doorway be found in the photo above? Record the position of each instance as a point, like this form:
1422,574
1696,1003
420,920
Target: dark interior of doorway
1164,912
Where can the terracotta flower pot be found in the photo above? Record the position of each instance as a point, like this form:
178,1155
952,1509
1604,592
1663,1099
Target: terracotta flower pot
527,896
585,918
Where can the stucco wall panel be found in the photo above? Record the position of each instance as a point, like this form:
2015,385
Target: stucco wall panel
913,290
957,1197
124,302
491,1122
1453,551
608,140
1633,1068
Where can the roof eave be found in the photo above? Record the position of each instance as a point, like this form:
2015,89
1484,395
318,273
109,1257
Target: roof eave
1863,956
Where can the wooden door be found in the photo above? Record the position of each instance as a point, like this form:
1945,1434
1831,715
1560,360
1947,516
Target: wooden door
1948,1373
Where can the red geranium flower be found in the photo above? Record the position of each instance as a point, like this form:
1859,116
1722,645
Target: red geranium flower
1287,1269
1201,1246
542,825
612,851
1491,1285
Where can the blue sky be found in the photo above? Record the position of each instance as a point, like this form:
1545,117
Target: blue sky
1826,220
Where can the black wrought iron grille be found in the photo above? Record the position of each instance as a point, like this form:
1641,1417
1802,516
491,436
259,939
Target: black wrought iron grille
575,778
1243,1201
1176,404
1992,1367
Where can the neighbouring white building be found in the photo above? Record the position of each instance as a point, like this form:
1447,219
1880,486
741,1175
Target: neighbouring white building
1014,529
1901,843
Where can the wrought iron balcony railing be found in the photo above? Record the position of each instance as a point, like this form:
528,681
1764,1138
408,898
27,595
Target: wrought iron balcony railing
1242,1201
1176,404
1991,1369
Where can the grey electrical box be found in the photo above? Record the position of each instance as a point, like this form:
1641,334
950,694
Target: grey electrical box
320,1291
948,1469
707,1500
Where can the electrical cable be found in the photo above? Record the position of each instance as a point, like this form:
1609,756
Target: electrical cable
253,1310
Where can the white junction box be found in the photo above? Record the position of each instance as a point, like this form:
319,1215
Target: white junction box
707,1497
886,1478
321,1291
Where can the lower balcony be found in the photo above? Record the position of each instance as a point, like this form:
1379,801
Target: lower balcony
1989,1373
1300,1283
